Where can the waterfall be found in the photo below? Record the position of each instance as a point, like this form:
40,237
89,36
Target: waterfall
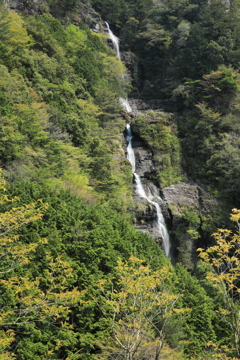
124,102
130,152
142,193
115,41
131,158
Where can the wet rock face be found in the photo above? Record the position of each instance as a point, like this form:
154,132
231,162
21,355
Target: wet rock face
143,158
138,106
195,200
184,195
146,218
187,196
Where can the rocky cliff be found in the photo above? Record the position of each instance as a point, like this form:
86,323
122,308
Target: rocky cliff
185,205
82,11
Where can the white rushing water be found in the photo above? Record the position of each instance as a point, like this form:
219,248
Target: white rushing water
131,158
115,41
141,192
130,152
124,102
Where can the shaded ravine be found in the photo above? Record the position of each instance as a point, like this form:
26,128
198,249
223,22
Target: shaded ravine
131,158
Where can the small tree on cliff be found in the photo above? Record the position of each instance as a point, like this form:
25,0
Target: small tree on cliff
225,260
138,305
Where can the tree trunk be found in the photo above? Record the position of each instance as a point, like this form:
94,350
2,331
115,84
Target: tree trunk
130,355
158,349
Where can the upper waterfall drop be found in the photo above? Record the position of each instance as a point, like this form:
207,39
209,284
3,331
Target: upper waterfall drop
123,101
115,41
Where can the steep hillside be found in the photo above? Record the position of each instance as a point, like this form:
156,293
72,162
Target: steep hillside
78,281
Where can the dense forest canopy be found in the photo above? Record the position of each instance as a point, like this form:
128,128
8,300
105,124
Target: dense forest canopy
78,281
188,53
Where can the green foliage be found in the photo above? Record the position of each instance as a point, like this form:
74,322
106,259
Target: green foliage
157,130
208,127
138,304
14,38
94,237
198,329
46,104
24,299
224,275
191,217
120,11
60,9
61,131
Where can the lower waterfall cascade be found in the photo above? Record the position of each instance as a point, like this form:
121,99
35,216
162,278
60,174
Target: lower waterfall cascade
142,193
131,158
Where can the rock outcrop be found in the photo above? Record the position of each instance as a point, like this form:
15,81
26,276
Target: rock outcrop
31,7
188,204
186,195
82,12
90,17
